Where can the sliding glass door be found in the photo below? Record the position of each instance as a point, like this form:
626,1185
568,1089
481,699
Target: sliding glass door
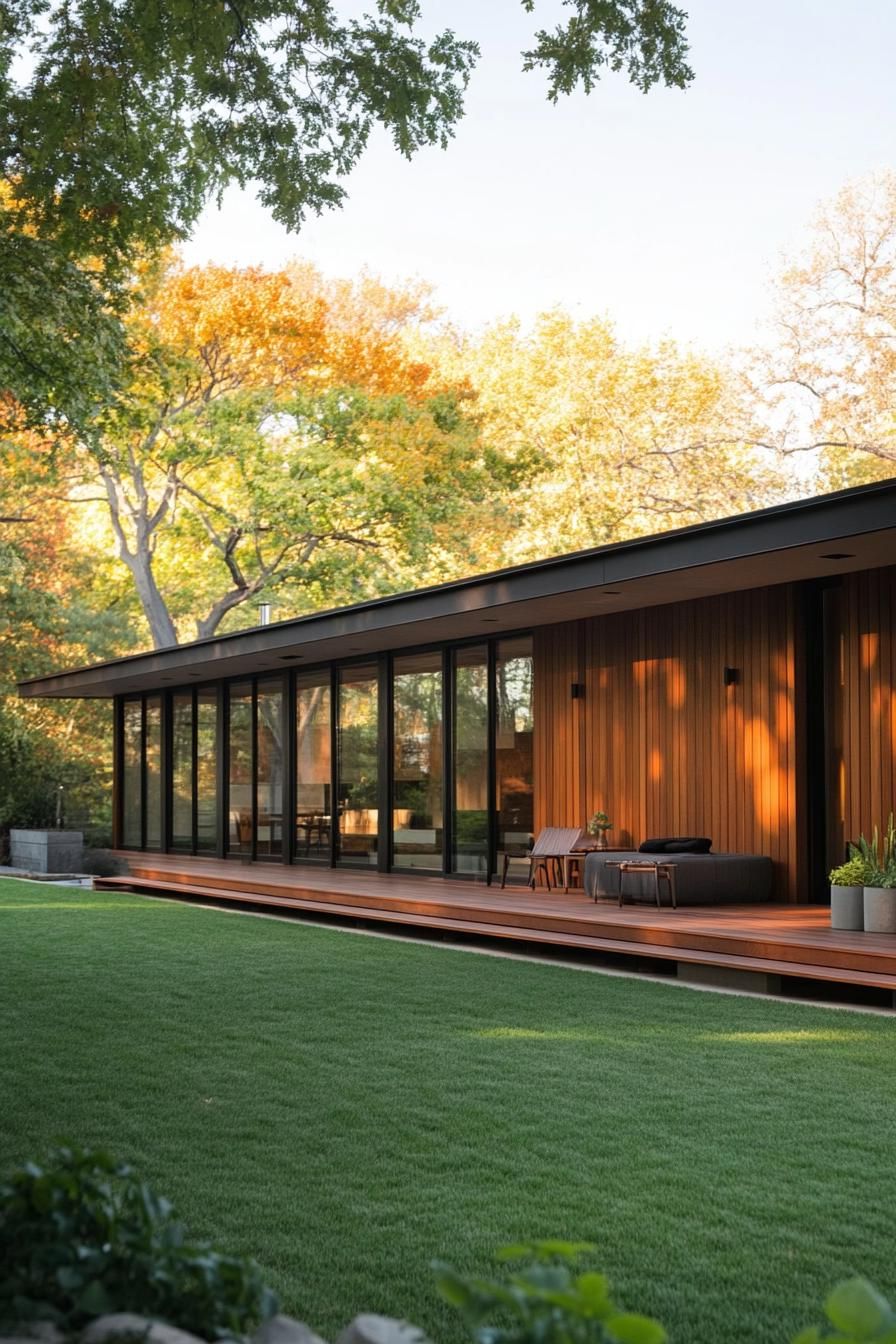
357,765
141,781
269,771
514,727
470,761
314,802
417,766
240,756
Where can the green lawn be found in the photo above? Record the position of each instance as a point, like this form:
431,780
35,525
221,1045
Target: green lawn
347,1108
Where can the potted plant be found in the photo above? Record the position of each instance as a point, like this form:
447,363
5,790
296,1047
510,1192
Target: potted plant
848,892
598,826
879,900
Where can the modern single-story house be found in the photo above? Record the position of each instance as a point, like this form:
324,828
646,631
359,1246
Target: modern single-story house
736,680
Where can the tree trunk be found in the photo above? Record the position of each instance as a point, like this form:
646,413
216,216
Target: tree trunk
161,625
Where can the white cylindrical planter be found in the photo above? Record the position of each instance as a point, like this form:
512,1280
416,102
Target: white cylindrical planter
880,910
847,907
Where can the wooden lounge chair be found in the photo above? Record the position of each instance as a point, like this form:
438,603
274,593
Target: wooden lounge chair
546,854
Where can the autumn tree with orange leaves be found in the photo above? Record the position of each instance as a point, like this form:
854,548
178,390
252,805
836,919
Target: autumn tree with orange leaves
279,433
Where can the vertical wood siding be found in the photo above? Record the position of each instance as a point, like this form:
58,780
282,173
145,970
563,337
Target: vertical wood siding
660,743
864,764
559,719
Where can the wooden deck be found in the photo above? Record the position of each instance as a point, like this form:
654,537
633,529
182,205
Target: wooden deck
759,940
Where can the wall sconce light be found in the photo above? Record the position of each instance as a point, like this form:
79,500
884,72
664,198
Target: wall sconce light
731,676
577,690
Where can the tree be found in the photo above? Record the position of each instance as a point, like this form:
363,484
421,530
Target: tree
120,119
54,609
830,378
277,433
626,441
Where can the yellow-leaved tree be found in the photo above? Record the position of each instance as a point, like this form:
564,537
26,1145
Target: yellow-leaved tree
829,374
624,441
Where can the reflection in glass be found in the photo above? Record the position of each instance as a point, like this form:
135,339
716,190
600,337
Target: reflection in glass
269,838
182,772
357,732
153,772
470,766
207,770
132,775
513,745
313,803
239,829
417,761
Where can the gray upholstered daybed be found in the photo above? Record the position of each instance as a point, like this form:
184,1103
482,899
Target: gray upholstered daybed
700,879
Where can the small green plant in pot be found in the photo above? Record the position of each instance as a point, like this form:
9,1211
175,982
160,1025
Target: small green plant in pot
598,826
848,893
879,899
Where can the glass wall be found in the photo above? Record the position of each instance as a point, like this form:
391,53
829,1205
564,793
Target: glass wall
239,791
514,721
417,768
194,771
182,771
469,773
154,781
440,772
314,807
207,770
357,744
132,775
269,767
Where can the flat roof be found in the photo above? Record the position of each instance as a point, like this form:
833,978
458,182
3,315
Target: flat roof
830,534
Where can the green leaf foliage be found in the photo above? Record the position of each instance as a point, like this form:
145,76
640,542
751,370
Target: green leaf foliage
644,37
81,1236
120,120
547,1301
878,856
853,873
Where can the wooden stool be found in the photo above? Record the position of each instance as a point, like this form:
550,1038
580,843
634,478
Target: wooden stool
666,871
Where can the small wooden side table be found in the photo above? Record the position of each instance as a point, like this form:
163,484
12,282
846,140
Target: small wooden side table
664,871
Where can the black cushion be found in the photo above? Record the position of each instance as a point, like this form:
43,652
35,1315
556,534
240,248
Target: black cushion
677,844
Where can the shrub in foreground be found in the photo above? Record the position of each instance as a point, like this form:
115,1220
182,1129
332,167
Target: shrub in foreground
81,1236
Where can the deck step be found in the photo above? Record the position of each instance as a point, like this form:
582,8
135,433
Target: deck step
489,910
347,908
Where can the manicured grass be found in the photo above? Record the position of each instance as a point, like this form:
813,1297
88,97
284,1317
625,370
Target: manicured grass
347,1108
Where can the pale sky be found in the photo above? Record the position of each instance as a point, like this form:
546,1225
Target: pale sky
667,211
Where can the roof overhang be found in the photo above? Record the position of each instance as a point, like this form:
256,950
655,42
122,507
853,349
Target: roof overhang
829,535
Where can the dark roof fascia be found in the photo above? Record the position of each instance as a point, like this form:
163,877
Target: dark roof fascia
822,519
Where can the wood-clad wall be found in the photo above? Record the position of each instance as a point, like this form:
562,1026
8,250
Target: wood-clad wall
863,772
660,743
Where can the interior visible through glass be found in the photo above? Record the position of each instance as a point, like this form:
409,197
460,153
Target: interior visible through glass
239,794
357,736
153,772
469,849
182,772
417,798
513,746
270,757
207,770
314,808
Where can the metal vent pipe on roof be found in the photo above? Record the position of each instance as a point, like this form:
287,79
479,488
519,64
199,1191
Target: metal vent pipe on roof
264,613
